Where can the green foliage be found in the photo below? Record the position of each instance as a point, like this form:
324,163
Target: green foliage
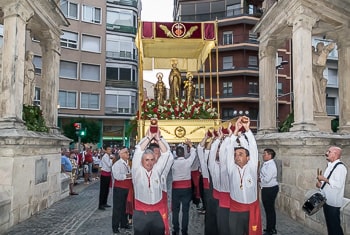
335,124
92,131
33,118
287,124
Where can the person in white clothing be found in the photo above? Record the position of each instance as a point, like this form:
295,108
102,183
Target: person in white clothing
245,215
181,187
269,189
149,214
332,185
106,169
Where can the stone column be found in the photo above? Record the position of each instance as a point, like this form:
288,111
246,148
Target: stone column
267,88
344,84
302,22
50,47
16,16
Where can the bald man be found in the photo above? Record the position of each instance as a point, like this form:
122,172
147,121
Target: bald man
332,185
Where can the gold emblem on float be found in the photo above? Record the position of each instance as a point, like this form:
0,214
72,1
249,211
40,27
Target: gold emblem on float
180,131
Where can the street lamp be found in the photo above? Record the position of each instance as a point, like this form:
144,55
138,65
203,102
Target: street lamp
278,67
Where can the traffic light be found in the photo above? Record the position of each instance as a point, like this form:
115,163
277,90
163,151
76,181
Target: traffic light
82,132
77,126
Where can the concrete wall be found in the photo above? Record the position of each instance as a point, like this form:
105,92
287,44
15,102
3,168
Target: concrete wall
30,174
300,154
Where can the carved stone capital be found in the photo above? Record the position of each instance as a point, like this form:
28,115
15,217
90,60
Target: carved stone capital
50,41
342,38
19,9
266,51
302,17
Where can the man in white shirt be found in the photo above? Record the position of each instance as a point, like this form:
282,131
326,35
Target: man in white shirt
181,187
245,215
150,213
121,186
332,184
106,168
269,189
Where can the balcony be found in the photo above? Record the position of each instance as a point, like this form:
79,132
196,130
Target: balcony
121,28
131,3
121,84
124,55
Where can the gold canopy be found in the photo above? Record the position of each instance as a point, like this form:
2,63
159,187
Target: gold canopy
188,43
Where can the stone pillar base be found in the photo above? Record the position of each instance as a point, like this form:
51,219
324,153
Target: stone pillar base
11,123
324,123
304,127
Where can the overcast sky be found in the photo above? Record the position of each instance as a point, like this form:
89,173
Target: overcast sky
159,11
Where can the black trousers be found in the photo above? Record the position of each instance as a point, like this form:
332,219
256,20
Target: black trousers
239,223
332,216
181,197
145,223
104,190
119,216
211,227
222,220
268,197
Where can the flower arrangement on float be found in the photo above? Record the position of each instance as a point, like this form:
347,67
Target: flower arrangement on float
178,109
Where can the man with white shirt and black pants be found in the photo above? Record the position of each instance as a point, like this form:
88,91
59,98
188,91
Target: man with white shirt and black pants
122,184
182,188
269,189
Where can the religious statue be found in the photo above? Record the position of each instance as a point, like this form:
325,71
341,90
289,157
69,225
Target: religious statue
319,82
189,88
29,76
160,89
174,82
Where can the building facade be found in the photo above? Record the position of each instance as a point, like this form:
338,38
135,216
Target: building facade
98,67
238,58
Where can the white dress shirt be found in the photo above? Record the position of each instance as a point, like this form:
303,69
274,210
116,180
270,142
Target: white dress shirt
334,191
268,174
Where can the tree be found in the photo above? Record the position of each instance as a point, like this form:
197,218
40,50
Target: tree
91,130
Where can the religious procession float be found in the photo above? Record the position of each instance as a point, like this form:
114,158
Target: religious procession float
184,48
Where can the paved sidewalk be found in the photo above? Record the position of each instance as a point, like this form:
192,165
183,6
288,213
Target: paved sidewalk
78,215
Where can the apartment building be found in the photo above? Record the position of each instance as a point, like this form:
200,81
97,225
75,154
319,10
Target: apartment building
238,60
98,67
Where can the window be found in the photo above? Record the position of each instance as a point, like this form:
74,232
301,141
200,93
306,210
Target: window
124,74
90,72
120,47
234,9
69,40
91,43
89,101
1,35
37,96
253,88
91,14
332,77
227,38
123,104
69,9
330,105
280,88
227,114
68,99
120,17
68,69
200,90
253,61
226,88
227,62
37,64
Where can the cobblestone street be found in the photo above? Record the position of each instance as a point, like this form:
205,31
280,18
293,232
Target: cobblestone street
79,215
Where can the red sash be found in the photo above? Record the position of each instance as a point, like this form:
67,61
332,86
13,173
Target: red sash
140,206
206,183
105,173
195,177
166,221
182,184
224,199
127,183
130,203
255,227
216,194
